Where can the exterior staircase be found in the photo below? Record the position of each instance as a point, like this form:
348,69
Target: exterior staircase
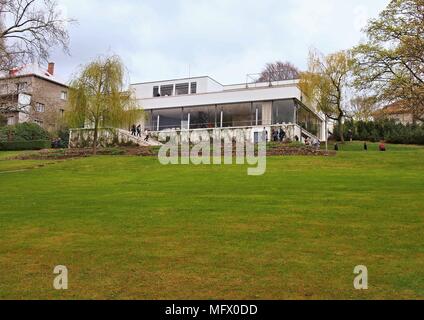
140,141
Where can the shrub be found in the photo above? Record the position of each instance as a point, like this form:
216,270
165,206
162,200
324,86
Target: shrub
61,140
388,130
3,120
24,136
25,145
23,132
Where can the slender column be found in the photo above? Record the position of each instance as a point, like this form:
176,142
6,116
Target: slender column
222,119
158,123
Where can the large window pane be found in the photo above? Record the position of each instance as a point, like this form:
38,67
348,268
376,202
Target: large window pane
201,117
309,121
193,87
238,115
283,111
168,119
156,92
148,120
257,114
167,90
181,88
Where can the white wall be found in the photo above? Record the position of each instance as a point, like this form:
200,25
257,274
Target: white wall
204,85
224,97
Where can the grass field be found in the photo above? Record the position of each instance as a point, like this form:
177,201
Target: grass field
129,228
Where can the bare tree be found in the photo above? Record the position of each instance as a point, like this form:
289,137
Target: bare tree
279,71
29,29
363,108
390,64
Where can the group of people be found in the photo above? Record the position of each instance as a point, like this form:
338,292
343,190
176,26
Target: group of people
313,142
278,135
136,132
57,143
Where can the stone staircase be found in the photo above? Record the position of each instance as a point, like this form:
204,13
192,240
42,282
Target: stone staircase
140,141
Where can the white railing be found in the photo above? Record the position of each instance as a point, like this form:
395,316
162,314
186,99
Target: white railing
141,141
110,135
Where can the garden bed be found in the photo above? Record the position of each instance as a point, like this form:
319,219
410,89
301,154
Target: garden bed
61,154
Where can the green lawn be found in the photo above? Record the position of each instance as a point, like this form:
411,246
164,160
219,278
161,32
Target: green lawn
129,228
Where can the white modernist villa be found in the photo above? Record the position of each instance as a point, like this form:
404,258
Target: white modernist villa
202,103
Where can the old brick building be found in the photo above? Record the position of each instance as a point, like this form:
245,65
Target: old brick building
33,94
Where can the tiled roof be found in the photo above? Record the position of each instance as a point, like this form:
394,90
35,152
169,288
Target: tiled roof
395,108
33,69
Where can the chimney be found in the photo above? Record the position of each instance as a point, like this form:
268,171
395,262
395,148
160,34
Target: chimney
51,68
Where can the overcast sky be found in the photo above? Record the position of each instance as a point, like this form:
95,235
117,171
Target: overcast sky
225,39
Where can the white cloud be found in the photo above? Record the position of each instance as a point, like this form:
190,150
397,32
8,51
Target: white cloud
225,39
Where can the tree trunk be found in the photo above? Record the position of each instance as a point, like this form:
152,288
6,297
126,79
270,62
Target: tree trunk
96,135
341,129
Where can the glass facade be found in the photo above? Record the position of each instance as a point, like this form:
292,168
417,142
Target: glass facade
168,119
283,111
309,121
201,117
234,115
257,114
237,115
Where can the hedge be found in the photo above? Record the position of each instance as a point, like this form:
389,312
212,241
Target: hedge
387,130
24,132
25,145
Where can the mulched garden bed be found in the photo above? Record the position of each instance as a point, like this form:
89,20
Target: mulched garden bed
63,154
287,150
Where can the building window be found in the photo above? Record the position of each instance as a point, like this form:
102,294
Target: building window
156,92
22,87
309,121
4,89
237,115
193,87
62,112
167,119
10,121
201,117
257,113
39,107
181,88
283,111
64,95
167,90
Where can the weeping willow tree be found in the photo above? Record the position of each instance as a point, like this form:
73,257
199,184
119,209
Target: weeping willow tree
326,84
98,99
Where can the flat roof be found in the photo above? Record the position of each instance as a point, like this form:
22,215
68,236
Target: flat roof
177,79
